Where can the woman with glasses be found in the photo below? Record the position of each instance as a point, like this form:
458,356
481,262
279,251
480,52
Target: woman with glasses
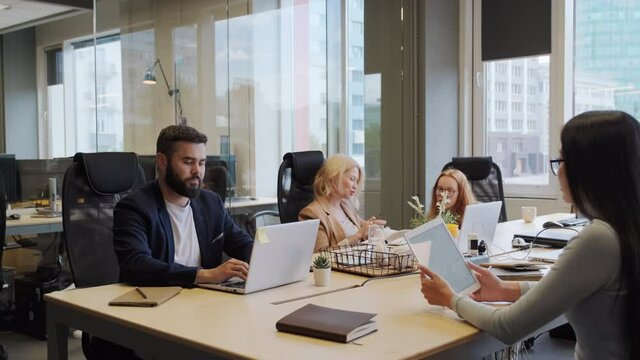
454,185
596,281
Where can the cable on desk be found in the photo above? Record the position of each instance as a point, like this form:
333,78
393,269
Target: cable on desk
528,251
389,277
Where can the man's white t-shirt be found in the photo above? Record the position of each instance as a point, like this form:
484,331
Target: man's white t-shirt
185,238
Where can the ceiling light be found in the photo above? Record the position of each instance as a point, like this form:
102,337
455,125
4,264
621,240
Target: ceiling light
5,7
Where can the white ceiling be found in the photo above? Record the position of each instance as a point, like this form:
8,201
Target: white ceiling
23,12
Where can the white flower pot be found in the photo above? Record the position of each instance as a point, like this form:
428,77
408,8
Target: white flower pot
322,277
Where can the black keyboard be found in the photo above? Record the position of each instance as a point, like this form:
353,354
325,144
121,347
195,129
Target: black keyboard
26,243
235,284
574,222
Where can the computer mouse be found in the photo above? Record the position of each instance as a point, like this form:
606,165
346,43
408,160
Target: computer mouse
518,242
552,224
13,217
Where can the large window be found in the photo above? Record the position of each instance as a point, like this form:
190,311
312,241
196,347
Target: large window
607,56
521,117
93,120
524,162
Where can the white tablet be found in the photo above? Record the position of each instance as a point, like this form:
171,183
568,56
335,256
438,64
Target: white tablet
434,247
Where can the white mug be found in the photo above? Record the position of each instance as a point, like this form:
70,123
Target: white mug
529,213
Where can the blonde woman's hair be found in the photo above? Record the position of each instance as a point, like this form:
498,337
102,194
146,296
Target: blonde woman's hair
331,174
465,195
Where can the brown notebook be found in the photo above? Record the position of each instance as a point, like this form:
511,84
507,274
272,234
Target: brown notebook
146,296
328,323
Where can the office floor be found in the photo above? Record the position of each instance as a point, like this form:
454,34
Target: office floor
21,346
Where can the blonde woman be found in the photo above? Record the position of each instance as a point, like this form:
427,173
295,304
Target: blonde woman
455,185
336,187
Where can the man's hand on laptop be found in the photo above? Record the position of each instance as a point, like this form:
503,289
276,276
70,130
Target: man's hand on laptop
231,268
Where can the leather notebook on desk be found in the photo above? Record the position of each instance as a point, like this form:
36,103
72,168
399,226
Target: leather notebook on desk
146,297
328,323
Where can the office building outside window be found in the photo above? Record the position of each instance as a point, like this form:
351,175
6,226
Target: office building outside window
521,150
607,53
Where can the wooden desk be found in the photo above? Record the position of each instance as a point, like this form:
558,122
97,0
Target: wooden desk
251,204
42,225
504,231
199,324
195,324
32,225
202,324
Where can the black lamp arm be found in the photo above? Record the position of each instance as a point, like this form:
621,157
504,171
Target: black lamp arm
171,92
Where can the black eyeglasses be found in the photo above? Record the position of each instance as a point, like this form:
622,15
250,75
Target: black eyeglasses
555,165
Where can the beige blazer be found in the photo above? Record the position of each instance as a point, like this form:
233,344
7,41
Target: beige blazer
330,232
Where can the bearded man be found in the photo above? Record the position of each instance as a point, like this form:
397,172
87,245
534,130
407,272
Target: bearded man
173,232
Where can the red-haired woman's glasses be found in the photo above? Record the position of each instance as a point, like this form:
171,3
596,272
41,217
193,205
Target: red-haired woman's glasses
555,165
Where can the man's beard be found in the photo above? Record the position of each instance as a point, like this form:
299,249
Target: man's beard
180,186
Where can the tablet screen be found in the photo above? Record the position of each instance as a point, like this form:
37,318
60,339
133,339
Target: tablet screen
441,255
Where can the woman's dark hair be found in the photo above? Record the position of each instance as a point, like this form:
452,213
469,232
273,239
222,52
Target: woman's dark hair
601,150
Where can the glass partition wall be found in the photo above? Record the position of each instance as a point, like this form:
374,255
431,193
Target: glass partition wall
251,75
259,78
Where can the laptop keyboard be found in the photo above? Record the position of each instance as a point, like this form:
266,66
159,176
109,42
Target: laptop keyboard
574,222
235,284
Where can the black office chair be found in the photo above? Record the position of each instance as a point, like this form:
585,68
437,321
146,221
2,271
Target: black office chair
295,182
259,219
215,179
91,188
3,228
148,163
484,177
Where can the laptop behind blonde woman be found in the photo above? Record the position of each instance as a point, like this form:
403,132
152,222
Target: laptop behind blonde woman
481,219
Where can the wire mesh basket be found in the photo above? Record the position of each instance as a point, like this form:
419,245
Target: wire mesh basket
369,260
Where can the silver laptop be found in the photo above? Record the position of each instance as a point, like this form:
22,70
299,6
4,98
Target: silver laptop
550,256
281,255
481,219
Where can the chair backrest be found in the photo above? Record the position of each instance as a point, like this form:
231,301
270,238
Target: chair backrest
3,225
91,188
215,179
484,177
295,182
260,219
148,163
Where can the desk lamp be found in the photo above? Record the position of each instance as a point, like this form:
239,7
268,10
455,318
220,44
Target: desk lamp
150,79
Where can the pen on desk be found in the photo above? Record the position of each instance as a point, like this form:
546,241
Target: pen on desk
141,292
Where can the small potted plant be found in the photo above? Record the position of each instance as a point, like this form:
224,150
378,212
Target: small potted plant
420,215
321,270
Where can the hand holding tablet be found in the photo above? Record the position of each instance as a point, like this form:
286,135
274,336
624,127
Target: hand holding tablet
433,246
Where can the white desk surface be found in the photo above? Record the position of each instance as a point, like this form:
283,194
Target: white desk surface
249,202
504,232
200,323
32,225
41,225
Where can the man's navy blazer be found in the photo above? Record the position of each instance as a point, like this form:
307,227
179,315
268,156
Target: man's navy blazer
143,237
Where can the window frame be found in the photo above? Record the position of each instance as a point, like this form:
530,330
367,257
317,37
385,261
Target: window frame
560,91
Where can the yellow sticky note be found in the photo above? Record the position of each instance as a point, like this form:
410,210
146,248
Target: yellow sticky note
261,236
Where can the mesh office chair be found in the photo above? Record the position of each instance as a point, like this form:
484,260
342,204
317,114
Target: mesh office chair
3,228
259,219
148,163
484,177
91,188
295,182
215,179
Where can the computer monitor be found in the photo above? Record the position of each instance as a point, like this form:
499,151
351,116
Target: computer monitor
228,162
34,174
10,176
